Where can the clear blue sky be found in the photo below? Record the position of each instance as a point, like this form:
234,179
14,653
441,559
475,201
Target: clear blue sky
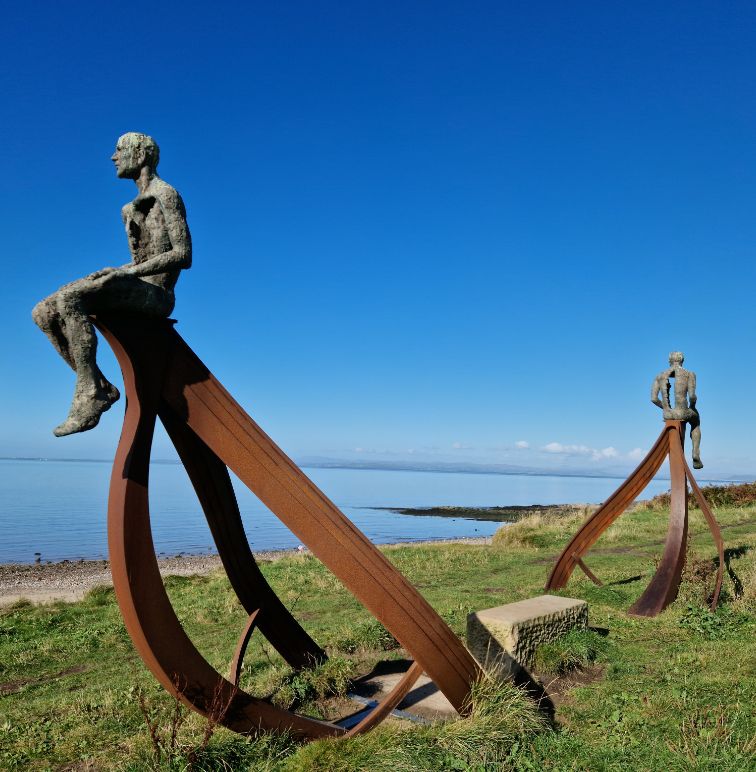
443,228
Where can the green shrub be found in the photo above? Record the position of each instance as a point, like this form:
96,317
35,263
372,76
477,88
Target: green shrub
713,625
740,495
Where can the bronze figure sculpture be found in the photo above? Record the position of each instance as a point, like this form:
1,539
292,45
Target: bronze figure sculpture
684,407
164,379
160,247
664,585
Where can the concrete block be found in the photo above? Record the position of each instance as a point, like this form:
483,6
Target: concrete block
506,637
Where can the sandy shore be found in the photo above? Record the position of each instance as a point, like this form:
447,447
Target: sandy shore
71,580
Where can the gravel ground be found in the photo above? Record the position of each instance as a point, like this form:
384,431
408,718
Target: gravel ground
70,580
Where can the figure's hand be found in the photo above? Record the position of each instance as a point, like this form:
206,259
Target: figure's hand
117,273
657,402
102,272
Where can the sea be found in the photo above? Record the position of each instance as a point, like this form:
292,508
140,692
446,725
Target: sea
57,510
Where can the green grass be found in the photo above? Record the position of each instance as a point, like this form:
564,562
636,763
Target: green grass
671,693
575,651
501,717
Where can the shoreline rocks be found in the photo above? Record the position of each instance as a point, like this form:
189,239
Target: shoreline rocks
70,580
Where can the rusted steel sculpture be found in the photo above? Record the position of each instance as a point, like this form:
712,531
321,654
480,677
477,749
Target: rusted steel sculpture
164,378
212,433
664,585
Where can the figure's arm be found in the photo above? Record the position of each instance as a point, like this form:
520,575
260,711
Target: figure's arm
692,389
656,387
109,272
180,254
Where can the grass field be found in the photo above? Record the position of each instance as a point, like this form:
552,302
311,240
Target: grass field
672,693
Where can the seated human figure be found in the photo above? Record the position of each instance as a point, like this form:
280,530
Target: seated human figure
160,247
684,408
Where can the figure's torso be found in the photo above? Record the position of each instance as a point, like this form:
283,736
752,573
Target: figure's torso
681,377
147,230
679,409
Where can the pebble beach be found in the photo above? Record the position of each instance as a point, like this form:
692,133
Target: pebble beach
70,581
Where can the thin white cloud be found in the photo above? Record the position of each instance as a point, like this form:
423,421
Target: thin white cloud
569,450
522,444
597,454
636,454
461,446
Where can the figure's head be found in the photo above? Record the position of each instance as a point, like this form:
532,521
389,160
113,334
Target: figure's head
133,152
676,358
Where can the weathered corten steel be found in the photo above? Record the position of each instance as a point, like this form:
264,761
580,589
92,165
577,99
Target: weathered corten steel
165,379
664,585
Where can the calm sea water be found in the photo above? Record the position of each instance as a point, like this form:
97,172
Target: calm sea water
58,508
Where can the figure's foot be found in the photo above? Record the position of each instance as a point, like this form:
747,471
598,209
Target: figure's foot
697,463
85,413
109,391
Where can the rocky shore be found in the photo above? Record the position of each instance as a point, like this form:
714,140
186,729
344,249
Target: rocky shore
510,514
70,580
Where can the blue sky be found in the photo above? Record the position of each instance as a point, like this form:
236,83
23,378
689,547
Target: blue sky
427,230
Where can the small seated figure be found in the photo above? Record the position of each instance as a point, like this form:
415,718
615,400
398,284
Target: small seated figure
160,247
684,408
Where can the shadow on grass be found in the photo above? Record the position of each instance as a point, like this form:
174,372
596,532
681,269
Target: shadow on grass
629,580
537,693
730,554
366,686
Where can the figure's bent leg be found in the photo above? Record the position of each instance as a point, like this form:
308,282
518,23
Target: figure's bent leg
129,295
695,436
93,395
46,317
64,317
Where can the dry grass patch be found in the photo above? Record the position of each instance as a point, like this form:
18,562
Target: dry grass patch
540,528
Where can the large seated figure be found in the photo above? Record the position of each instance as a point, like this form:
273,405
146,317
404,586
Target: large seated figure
160,247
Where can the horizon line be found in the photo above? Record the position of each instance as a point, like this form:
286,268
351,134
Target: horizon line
449,467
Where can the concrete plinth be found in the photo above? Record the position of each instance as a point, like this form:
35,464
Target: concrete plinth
424,702
506,637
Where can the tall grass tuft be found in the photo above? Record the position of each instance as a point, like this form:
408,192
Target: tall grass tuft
574,651
540,528
368,636
501,716
295,688
746,599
